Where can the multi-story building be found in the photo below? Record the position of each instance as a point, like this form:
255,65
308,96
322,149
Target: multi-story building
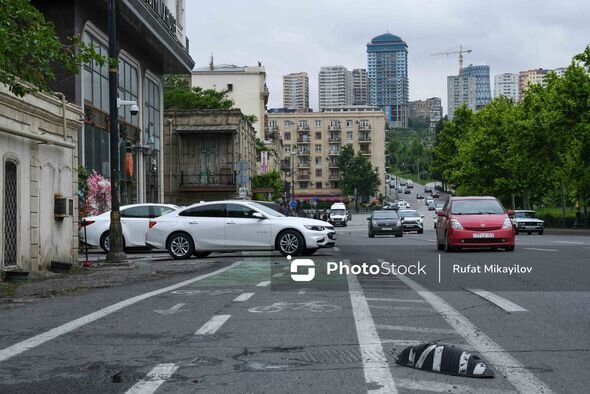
506,85
483,92
246,86
387,58
334,87
312,142
530,77
152,42
360,87
429,110
206,152
296,91
460,90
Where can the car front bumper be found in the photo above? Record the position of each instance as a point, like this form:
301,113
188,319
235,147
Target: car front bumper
466,238
320,239
396,230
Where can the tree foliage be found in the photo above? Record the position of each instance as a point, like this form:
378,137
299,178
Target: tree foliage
357,173
271,179
179,95
30,49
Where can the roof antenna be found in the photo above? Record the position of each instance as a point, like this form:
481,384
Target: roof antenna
211,66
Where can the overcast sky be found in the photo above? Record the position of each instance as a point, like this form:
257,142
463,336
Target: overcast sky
303,35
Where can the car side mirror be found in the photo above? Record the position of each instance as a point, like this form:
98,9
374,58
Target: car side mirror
258,215
422,216
510,212
369,218
441,214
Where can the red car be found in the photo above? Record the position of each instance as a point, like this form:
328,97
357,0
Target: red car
474,222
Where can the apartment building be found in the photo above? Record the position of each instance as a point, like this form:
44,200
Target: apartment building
360,87
335,87
536,76
506,85
312,142
296,91
429,110
460,90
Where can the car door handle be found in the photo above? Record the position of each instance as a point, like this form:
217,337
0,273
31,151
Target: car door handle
193,222
230,222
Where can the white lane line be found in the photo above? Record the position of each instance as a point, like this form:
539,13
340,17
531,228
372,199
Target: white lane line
400,308
416,329
569,242
375,365
503,303
542,250
336,249
40,339
263,283
395,300
440,387
154,379
301,292
243,297
212,325
516,373
278,274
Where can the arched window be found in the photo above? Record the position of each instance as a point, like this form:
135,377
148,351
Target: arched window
10,213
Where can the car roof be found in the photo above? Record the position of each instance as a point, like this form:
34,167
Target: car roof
149,204
473,198
524,210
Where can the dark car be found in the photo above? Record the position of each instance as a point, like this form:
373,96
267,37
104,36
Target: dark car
435,194
419,196
407,191
384,222
474,222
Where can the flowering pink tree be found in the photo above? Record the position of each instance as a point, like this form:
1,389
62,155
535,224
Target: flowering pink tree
98,198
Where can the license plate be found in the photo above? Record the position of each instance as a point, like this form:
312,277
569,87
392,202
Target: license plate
483,235
387,228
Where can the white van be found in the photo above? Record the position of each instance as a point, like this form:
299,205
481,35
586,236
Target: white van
338,214
410,184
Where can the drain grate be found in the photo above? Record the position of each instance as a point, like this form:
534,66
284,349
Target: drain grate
339,356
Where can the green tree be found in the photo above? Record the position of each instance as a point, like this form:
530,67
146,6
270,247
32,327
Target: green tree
271,179
30,49
357,173
179,95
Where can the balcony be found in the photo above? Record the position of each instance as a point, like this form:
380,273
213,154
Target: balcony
303,177
303,153
303,128
304,140
365,127
364,138
335,128
334,177
366,152
207,181
303,165
335,139
334,153
333,165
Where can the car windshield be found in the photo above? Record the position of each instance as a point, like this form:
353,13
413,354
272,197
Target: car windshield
476,207
266,210
408,214
385,215
338,212
525,215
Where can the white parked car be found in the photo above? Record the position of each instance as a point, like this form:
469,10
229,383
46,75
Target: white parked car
223,226
94,230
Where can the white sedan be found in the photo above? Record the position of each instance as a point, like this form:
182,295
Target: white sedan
94,230
236,225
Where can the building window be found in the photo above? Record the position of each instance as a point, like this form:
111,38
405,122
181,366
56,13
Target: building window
303,124
349,135
10,214
318,185
272,123
334,123
287,148
349,123
96,77
364,123
288,123
128,90
151,137
318,147
287,135
230,87
318,123
318,172
318,160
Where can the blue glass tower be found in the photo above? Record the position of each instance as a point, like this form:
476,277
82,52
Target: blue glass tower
387,61
483,91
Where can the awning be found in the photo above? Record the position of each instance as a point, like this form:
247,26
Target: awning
320,198
204,129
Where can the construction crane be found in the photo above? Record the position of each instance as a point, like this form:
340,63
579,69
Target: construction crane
461,51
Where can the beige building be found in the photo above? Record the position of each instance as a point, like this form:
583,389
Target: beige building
533,77
246,86
312,142
429,110
296,91
38,181
209,155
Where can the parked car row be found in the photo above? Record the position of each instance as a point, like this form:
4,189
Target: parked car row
218,226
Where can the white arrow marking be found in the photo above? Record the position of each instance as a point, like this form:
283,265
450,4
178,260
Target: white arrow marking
174,309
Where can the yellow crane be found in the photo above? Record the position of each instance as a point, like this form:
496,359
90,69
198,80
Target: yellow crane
461,51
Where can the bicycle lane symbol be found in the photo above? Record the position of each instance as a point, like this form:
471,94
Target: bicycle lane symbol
312,306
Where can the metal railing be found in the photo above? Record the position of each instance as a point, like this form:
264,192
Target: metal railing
206,178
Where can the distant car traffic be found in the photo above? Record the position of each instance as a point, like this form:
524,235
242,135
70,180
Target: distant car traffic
411,220
383,222
407,191
474,222
431,205
95,230
435,194
234,225
419,196
527,222
402,182
427,189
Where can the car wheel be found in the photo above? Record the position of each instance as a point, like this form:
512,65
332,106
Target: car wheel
309,252
201,255
105,242
181,246
399,235
510,248
541,232
421,231
515,232
447,246
344,224
529,232
290,242
371,235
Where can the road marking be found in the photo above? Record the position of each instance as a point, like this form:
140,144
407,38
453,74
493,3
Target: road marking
171,311
376,368
154,379
542,250
243,297
301,292
336,249
395,300
40,339
516,373
416,329
263,283
570,242
212,325
278,275
503,303
400,308
440,387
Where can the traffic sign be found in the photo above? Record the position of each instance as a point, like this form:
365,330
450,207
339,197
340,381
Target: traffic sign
314,201
293,204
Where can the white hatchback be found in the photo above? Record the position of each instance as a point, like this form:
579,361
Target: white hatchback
94,230
223,226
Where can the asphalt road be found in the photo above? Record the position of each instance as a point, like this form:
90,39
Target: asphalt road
241,326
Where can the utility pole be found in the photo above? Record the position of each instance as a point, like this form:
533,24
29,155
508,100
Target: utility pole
116,254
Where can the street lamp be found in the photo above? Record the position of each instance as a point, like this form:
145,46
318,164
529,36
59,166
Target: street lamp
293,154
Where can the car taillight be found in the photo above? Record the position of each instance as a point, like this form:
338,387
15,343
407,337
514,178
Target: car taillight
85,223
152,223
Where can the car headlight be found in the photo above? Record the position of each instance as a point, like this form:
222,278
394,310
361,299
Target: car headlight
374,223
456,225
399,223
507,224
313,227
